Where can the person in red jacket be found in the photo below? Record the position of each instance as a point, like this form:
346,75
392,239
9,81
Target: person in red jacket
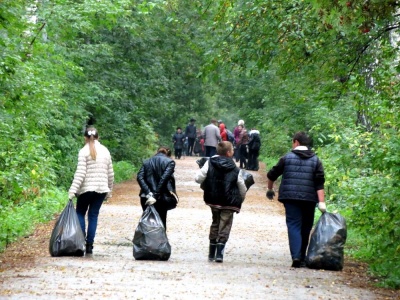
222,131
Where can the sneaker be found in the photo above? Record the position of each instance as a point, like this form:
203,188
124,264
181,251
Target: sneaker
296,263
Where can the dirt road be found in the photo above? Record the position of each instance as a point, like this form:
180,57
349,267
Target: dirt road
256,263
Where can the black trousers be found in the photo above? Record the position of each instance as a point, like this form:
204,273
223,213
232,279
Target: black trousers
190,146
178,153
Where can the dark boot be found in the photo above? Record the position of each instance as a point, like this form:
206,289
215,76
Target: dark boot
89,248
211,253
220,252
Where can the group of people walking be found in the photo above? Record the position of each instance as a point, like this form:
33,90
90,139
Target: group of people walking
301,189
184,141
246,143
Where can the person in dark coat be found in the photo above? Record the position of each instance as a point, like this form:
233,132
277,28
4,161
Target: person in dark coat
301,189
224,191
178,139
190,134
157,183
254,146
243,155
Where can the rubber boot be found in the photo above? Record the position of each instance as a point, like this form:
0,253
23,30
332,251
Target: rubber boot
220,252
89,248
211,253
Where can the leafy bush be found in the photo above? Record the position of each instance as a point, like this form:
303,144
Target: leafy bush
362,179
123,171
17,221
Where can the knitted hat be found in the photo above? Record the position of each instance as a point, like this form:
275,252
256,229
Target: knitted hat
241,122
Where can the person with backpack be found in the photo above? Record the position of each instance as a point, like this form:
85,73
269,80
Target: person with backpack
254,146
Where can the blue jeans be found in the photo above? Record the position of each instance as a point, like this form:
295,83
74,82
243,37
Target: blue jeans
89,202
299,221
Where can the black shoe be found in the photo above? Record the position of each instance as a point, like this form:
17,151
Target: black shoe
296,263
219,257
303,264
89,248
212,251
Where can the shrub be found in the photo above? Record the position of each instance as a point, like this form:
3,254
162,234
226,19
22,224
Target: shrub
123,171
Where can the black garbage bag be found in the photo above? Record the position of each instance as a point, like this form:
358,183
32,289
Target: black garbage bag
67,238
325,250
150,241
201,161
248,178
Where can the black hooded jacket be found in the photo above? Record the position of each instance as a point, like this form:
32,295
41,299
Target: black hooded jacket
220,186
302,176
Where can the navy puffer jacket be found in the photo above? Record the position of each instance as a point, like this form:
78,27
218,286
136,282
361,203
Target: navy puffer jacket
302,176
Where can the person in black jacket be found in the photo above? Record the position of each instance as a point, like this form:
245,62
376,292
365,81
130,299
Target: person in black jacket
190,134
157,183
302,187
224,191
178,139
254,146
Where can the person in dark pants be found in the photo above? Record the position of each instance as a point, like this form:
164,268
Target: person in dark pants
190,134
224,191
157,183
211,138
254,146
92,183
301,189
243,150
178,139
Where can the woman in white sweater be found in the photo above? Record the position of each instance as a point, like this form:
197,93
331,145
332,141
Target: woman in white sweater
92,184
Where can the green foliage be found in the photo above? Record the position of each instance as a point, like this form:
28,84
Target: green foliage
123,171
20,220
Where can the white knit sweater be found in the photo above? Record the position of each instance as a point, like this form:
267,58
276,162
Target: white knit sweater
93,175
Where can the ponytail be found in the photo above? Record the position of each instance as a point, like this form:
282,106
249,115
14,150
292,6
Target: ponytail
91,135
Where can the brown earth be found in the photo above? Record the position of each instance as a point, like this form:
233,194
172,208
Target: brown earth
256,263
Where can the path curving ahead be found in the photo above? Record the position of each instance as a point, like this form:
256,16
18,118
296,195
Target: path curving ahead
256,263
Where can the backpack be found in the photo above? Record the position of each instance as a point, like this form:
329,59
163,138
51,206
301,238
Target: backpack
231,137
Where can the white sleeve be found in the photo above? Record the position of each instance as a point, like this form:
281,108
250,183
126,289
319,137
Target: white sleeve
241,186
202,173
80,173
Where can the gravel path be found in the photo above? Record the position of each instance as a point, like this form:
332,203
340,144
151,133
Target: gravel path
256,263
